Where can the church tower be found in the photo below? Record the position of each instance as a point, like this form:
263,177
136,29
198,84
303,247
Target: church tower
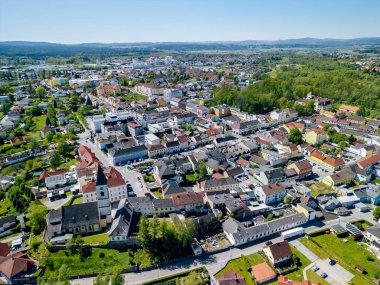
104,204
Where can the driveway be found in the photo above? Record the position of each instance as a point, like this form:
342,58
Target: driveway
336,274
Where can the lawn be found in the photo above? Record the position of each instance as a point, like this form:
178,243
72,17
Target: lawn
157,193
148,178
134,96
40,123
320,188
241,266
314,277
348,254
95,263
298,275
96,239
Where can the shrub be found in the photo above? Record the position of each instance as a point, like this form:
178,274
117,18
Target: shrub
102,255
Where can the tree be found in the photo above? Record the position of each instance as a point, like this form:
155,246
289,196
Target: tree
297,261
41,92
102,279
185,231
202,169
288,199
143,233
194,278
376,213
37,217
63,275
5,107
49,137
295,135
63,149
116,276
55,160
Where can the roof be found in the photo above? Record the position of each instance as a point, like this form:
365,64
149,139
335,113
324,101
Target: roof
4,249
369,160
374,230
348,108
283,280
89,187
186,198
280,250
100,177
262,272
327,159
45,174
80,214
8,219
273,189
15,264
231,278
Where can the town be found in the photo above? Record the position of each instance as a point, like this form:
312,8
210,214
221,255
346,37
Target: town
139,168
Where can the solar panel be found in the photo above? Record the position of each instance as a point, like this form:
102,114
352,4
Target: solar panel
353,230
338,228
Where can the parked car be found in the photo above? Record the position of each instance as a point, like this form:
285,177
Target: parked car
324,275
315,268
332,262
268,242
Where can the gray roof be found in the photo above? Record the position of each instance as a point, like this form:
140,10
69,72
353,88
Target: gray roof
374,230
80,215
219,182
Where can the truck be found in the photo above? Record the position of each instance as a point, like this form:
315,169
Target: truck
292,233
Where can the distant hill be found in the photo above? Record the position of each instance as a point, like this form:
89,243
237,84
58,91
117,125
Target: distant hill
23,48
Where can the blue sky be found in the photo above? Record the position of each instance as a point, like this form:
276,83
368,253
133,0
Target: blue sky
78,21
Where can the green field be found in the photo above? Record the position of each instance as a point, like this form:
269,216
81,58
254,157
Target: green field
96,239
92,264
314,277
348,254
298,275
241,266
320,188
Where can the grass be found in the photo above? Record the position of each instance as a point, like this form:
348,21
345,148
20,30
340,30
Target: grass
241,266
148,178
314,277
157,193
134,96
320,188
40,123
298,275
179,278
92,264
348,254
96,239
77,200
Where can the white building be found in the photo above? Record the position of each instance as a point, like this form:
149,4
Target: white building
151,139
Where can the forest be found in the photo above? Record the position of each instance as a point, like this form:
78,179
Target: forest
324,77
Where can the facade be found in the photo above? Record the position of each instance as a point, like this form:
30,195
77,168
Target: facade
278,253
123,156
327,161
270,194
316,136
303,168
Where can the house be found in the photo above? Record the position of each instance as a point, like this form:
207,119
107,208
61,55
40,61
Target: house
263,273
272,176
372,234
4,249
270,194
156,150
123,156
341,177
67,221
273,157
315,136
7,223
172,147
348,109
108,90
16,265
135,129
303,168
278,253
356,120
369,161
217,185
230,278
53,179
189,202
327,161
221,111
244,128
302,208
368,194
238,234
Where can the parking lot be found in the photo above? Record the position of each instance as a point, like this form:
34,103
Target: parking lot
336,274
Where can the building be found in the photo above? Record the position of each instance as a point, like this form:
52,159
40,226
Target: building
341,177
327,161
124,156
303,168
372,234
169,94
231,278
239,234
221,111
68,221
16,266
135,129
283,280
263,273
315,136
348,109
53,179
270,194
108,90
151,139
279,253
7,223
217,185
272,176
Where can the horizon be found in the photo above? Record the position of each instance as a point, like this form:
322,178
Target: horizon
74,22
196,42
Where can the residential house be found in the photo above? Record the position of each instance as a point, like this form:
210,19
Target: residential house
316,136
7,223
15,266
348,109
217,185
341,177
372,234
368,194
270,194
302,167
231,278
278,253
123,156
327,161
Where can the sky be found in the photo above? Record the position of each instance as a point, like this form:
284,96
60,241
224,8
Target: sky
110,21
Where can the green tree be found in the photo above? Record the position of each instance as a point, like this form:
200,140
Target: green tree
295,135
194,278
5,107
55,160
49,137
288,199
376,213
37,217
63,149
102,279
202,169
143,234
63,275
116,276
41,92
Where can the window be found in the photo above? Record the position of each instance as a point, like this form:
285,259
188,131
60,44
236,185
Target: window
101,194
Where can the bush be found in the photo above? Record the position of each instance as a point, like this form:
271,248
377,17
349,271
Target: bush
102,255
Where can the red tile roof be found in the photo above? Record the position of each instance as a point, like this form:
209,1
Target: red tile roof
186,198
15,264
370,160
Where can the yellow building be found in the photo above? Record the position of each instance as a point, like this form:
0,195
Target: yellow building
315,136
221,111
327,161
342,177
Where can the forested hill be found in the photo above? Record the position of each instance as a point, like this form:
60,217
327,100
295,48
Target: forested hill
326,78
